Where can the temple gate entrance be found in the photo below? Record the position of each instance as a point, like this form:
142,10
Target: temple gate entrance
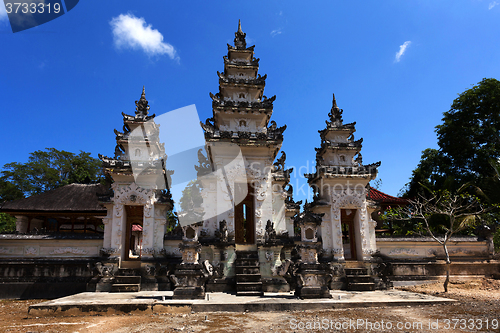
348,234
244,212
133,237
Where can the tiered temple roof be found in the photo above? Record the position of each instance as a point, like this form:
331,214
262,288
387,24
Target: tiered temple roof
148,137
339,154
139,146
241,112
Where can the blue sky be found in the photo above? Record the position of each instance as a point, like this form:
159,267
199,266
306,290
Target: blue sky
394,66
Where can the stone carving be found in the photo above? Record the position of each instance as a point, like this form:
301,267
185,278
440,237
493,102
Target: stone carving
31,250
270,233
460,250
409,252
282,269
204,167
109,251
123,194
269,255
72,250
432,252
208,268
141,106
106,270
148,250
279,165
222,234
149,270
5,250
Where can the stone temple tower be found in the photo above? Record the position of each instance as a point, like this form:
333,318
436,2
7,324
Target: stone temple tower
244,192
339,184
241,115
137,205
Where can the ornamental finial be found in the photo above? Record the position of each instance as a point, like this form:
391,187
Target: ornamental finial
239,38
141,106
335,114
334,103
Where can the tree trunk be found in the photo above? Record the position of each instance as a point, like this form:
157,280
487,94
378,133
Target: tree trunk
447,280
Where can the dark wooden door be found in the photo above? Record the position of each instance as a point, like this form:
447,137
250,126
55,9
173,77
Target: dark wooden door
135,215
348,234
244,216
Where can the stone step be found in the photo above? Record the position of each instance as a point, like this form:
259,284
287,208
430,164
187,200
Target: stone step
249,286
127,279
359,278
123,288
246,262
128,272
247,270
361,286
247,278
356,271
247,255
249,293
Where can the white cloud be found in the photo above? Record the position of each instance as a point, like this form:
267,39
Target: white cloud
276,32
402,49
133,32
492,4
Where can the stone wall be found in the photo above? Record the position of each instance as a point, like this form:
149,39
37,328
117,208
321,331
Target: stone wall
45,246
46,266
429,249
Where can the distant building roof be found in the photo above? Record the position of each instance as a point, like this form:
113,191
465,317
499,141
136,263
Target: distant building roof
136,227
381,197
69,198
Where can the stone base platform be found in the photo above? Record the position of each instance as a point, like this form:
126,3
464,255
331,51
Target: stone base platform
103,303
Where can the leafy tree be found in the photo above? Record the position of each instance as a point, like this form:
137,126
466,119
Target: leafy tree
172,221
7,223
47,170
191,196
457,211
469,135
431,172
468,138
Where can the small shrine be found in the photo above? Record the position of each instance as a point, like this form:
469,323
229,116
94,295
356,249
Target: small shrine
138,202
340,186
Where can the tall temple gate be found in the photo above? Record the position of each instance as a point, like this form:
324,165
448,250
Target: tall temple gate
244,234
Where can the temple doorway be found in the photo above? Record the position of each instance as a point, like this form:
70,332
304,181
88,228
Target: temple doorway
133,237
348,234
244,212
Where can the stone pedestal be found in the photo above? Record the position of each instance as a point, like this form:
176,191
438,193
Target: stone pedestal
189,281
190,276
313,281
312,278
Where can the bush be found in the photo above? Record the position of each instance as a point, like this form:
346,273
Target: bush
7,223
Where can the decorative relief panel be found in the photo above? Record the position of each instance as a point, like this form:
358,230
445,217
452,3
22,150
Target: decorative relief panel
131,194
30,250
72,250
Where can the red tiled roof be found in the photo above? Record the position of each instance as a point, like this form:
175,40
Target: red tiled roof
136,227
381,197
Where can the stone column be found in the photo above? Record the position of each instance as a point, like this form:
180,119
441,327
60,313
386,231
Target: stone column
21,224
159,226
338,248
117,230
148,231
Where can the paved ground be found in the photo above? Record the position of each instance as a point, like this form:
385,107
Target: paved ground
161,301
476,310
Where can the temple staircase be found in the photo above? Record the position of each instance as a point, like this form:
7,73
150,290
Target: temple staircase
248,278
126,280
357,279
